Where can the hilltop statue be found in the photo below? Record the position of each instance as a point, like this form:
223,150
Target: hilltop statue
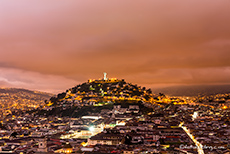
105,74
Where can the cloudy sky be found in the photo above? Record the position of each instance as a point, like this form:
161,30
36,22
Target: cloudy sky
53,45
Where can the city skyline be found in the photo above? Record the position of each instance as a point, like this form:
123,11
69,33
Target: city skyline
51,46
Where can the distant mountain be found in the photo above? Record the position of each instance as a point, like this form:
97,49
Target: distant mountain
20,90
193,90
14,98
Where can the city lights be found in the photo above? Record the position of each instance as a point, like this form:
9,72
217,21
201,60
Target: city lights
91,128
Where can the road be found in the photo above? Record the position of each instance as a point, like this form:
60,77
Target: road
198,144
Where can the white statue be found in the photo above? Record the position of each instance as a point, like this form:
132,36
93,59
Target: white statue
105,74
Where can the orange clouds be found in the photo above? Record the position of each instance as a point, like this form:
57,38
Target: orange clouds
176,42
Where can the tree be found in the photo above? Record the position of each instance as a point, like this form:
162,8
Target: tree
149,91
62,95
14,134
128,139
162,140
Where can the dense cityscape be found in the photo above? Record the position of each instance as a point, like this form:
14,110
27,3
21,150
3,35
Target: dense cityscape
171,66
113,116
14,100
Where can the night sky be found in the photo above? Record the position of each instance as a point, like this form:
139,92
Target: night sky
53,45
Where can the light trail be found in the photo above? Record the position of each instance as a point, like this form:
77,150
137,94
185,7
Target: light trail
198,144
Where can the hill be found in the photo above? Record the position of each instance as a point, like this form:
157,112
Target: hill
25,91
12,99
98,93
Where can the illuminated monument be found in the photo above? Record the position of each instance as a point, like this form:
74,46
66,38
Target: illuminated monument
105,79
105,74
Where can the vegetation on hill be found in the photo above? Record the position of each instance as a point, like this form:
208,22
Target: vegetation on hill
101,91
79,111
93,96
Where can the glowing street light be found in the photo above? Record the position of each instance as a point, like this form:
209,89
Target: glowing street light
194,116
91,128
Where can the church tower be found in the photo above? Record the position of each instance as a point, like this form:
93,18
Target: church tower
42,145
